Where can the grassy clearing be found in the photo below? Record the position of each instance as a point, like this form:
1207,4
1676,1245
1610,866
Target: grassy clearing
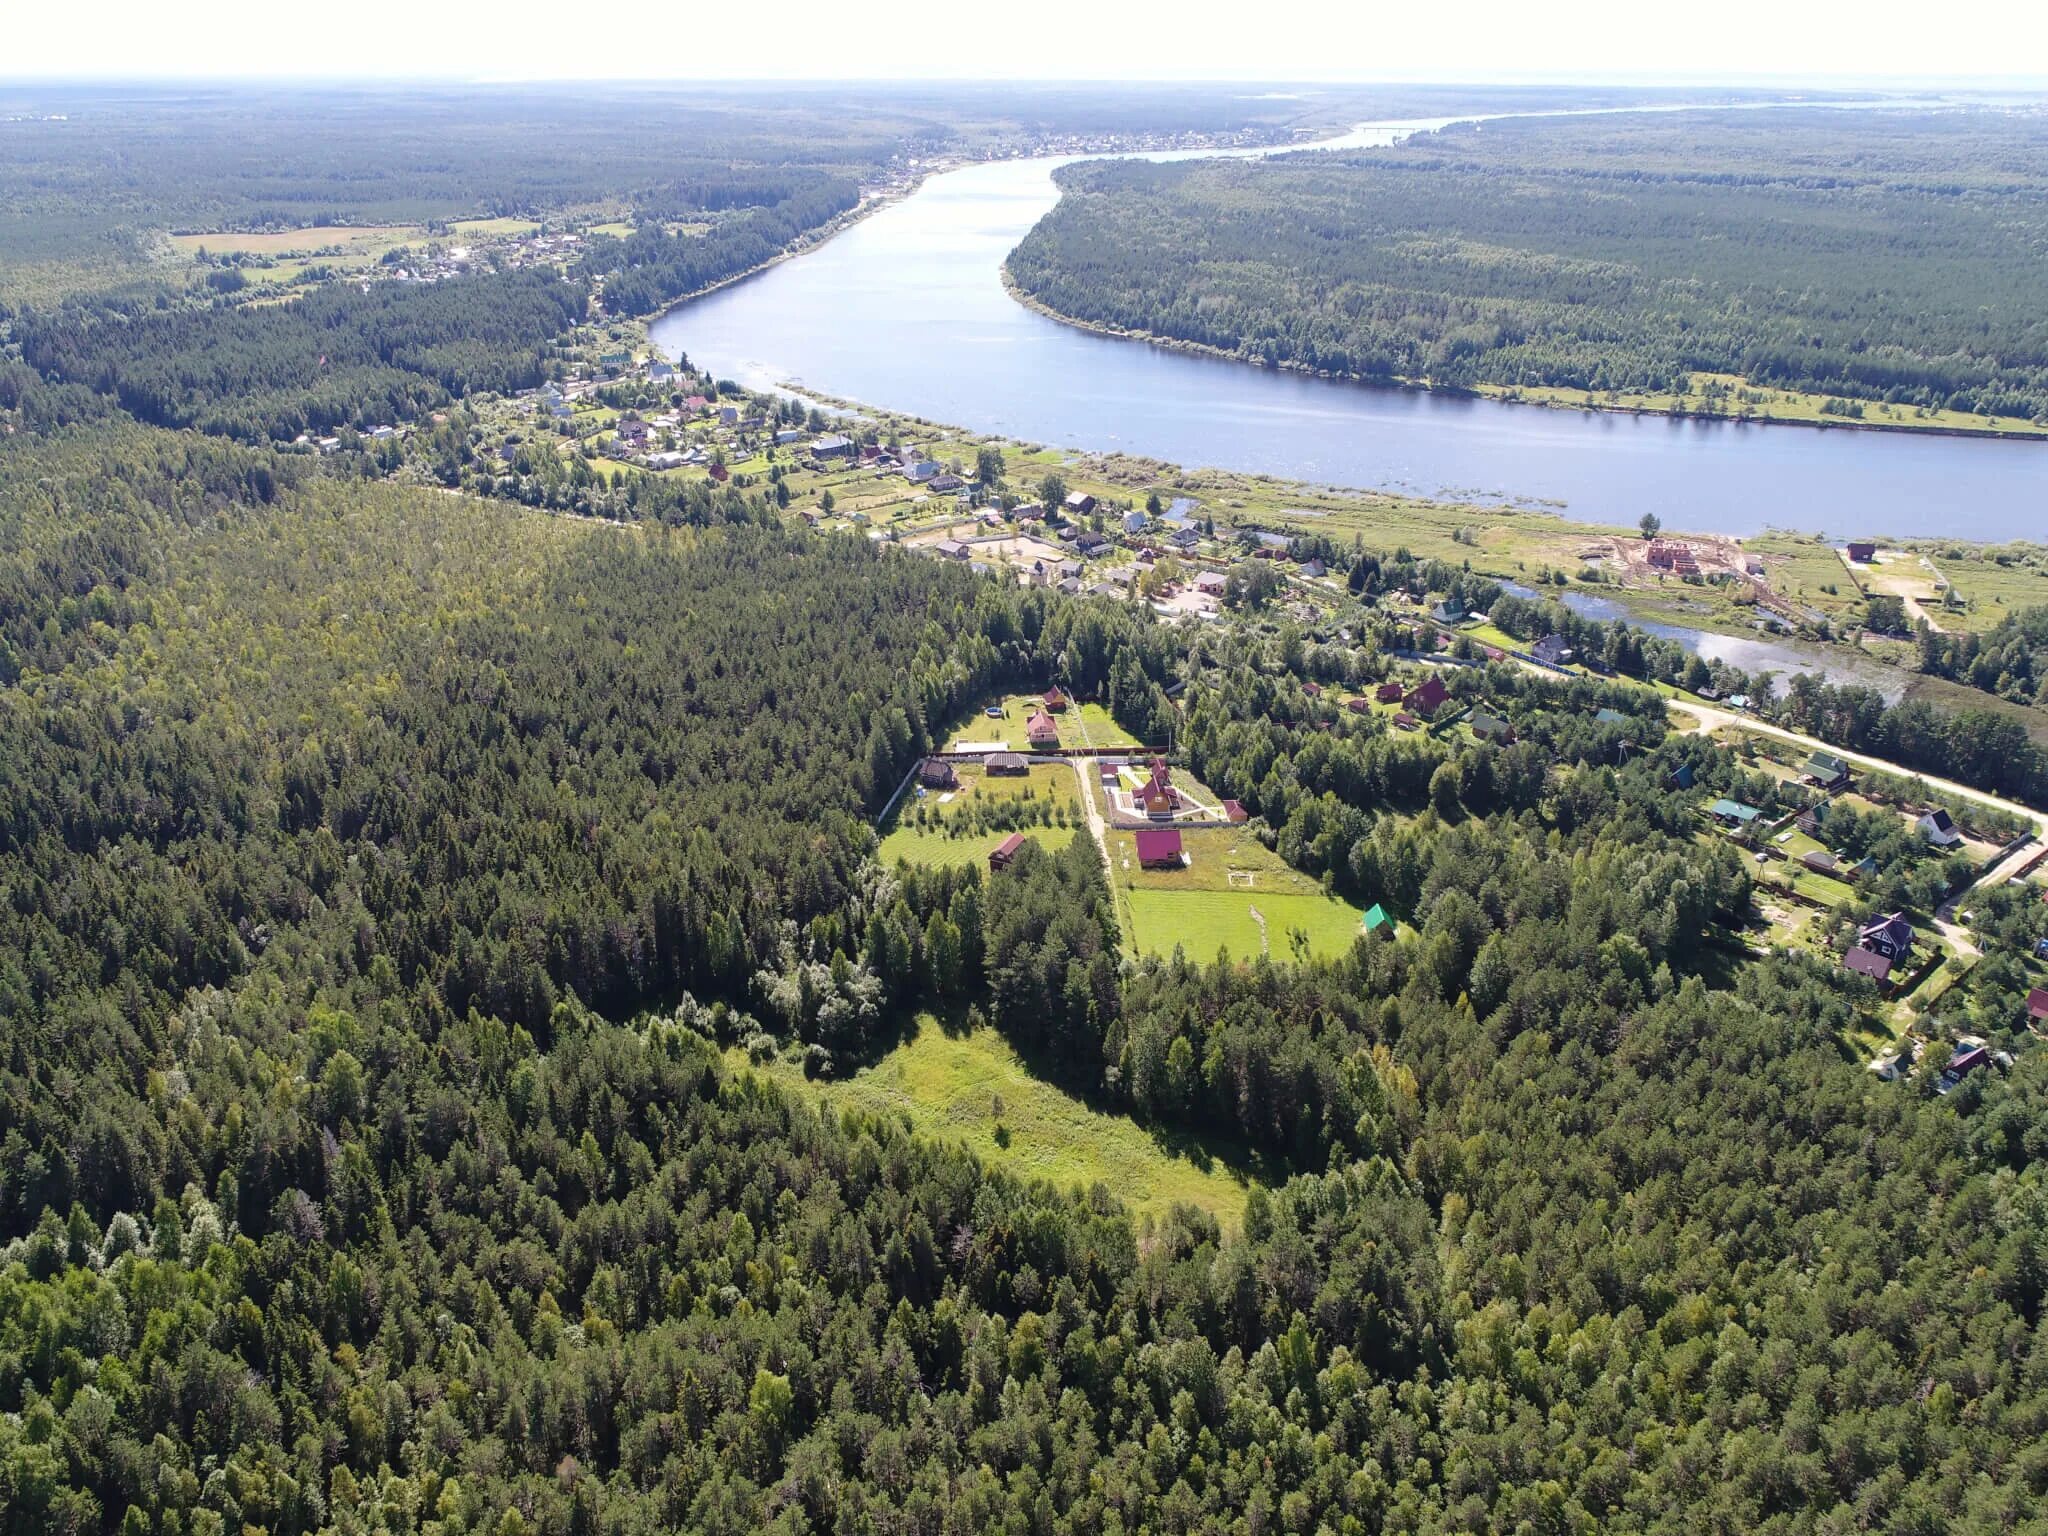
1207,924
355,239
935,830
1201,908
947,1084
1081,725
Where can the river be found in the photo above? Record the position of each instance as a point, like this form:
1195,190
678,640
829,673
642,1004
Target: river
906,310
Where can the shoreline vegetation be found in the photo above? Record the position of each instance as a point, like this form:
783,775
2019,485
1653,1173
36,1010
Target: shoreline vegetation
2014,429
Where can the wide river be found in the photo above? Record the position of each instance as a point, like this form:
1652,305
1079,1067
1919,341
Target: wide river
906,310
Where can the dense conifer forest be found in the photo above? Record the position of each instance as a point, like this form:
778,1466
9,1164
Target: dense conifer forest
1864,255
385,869
403,858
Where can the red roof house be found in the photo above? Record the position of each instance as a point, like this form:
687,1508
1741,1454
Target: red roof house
1042,730
1158,796
1426,697
999,857
1387,692
1865,962
2037,1004
1055,701
1359,706
1236,812
1159,848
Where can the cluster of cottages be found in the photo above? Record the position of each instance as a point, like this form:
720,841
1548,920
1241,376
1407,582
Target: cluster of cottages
1419,704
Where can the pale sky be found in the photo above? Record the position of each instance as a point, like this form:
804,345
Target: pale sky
1987,41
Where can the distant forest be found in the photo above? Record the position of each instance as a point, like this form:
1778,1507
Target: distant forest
1869,255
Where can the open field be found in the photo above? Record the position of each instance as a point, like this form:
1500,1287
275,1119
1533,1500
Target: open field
1203,909
364,239
1081,725
947,1085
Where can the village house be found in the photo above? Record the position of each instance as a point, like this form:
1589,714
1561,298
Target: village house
1001,855
728,416
1426,697
1732,813
1211,583
1938,828
1890,936
1041,730
1160,848
952,549
1826,770
2037,1005
1135,522
832,446
944,483
1388,692
1819,860
918,471
1359,706
1008,765
1079,504
787,436
1233,811
1091,543
659,372
1185,539
1492,728
1551,650
1313,569
1866,963
1862,551
1055,702
937,773
1158,797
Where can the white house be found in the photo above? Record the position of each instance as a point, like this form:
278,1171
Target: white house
1938,828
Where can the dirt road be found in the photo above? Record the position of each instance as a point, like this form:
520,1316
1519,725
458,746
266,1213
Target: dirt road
1710,717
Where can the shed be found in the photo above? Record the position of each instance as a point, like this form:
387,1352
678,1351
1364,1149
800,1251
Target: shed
1233,811
2037,1004
1376,917
1001,855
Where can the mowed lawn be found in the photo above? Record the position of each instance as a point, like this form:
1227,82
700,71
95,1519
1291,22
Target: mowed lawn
1216,901
1081,725
929,832
948,1085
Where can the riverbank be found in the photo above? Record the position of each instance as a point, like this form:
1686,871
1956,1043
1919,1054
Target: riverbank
1794,409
